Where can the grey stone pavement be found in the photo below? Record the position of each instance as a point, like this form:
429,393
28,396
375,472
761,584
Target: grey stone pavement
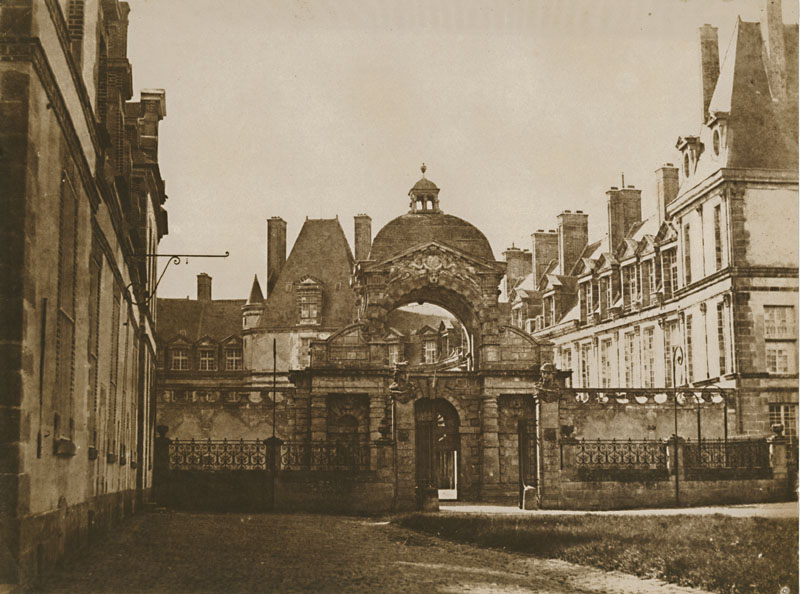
787,509
202,552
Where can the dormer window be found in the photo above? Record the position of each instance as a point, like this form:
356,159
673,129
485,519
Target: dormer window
309,301
208,360
233,359
180,359
430,351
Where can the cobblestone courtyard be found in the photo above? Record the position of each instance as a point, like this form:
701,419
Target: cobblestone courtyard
196,552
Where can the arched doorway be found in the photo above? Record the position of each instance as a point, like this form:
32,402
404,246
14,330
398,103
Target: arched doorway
437,446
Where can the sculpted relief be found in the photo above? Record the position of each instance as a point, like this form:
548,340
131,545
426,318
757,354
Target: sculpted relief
432,262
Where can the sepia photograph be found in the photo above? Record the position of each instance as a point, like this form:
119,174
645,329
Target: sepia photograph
481,296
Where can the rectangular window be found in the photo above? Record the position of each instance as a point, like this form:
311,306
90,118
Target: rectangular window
605,362
207,360
627,294
649,358
585,297
689,352
430,351
233,359
180,359
629,359
718,237
687,255
722,338
784,414
669,266
779,321
566,358
586,353
671,340
780,357
394,353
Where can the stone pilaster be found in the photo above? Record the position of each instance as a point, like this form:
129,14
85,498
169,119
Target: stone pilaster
490,447
319,417
404,435
550,456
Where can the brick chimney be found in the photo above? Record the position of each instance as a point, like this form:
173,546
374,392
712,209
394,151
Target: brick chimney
203,287
276,250
363,236
772,33
545,250
666,188
709,64
518,265
624,209
573,235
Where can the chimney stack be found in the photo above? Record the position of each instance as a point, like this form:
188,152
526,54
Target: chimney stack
573,235
203,287
772,33
624,210
545,250
363,236
276,250
709,64
666,188
518,265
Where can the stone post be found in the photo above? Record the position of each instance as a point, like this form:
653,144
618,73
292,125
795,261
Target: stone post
319,418
777,457
405,471
490,448
550,456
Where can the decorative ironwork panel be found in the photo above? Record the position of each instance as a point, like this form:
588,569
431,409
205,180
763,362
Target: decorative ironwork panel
716,453
217,455
621,454
612,460
327,456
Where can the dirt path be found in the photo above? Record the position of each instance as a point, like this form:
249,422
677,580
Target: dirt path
194,552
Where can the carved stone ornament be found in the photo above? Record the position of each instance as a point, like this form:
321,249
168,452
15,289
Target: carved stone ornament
547,387
432,262
401,389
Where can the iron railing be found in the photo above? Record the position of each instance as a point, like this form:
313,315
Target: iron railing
324,456
216,455
604,453
736,454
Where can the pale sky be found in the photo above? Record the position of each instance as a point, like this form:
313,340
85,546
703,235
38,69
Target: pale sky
520,109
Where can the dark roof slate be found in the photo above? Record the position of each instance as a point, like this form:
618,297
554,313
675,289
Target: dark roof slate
192,320
320,251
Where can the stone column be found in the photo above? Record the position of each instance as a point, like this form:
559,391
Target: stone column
490,448
405,471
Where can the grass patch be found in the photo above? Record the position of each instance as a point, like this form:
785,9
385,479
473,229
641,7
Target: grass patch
717,553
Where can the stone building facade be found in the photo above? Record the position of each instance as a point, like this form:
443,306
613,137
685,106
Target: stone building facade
713,272
83,210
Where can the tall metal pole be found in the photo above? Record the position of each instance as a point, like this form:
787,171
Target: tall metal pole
677,355
274,385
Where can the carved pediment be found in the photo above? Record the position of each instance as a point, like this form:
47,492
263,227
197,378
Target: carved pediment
432,261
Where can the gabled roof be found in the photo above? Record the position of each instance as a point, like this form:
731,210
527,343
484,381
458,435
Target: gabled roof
320,252
194,320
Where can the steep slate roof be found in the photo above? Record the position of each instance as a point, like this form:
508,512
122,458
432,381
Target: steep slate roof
321,251
763,133
407,322
192,319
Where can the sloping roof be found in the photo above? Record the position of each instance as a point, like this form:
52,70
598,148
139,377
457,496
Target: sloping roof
192,319
408,322
321,251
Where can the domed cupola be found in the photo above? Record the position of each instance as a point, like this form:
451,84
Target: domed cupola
424,195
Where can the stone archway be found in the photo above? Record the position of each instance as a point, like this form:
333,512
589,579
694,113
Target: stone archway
438,446
432,273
